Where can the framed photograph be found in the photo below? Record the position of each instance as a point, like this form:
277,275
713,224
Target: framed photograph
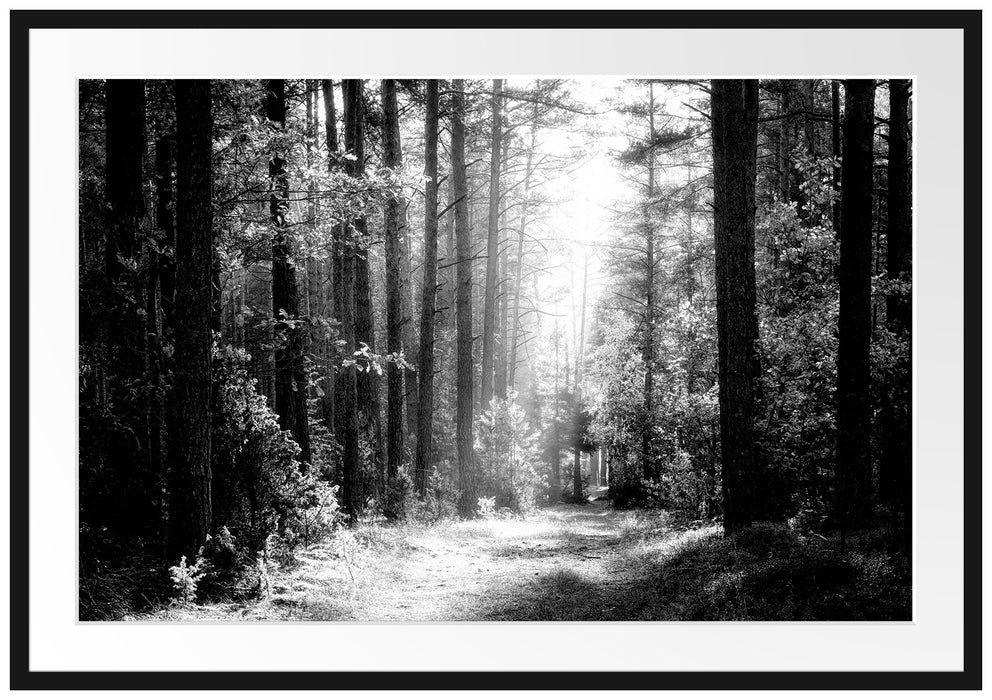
430,349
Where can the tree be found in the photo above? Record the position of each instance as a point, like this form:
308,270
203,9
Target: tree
392,158
291,381
463,304
896,415
734,115
492,250
853,468
367,381
190,507
898,310
125,150
650,263
346,386
425,364
515,339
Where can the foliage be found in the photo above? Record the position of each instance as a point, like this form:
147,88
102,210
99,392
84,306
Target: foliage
259,486
185,578
508,459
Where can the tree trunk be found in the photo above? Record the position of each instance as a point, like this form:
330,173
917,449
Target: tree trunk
853,469
330,119
164,197
577,466
159,295
425,370
898,310
647,429
896,416
291,397
392,159
346,388
125,123
492,250
367,382
190,506
521,232
333,265
463,306
735,129
409,332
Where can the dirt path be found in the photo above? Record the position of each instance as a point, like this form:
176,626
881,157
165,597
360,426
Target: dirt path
565,562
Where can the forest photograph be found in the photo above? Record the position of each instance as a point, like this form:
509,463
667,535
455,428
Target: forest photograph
495,349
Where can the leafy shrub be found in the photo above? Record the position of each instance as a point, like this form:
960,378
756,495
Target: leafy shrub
258,484
185,578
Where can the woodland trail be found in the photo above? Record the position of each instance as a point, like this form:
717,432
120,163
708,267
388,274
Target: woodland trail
564,562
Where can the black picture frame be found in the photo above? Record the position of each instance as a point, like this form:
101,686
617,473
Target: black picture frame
22,678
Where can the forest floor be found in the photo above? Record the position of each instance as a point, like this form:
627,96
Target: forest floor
574,562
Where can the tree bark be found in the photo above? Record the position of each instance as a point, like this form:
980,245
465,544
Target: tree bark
333,264
291,397
367,382
898,311
392,159
896,416
735,129
346,388
853,468
425,370
190,507
125,123
492,250
463,306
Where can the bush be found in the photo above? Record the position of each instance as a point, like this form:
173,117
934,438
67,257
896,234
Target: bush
184,581
259,487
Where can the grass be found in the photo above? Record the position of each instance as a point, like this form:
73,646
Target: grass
574,562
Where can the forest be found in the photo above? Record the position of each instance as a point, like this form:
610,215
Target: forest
495,349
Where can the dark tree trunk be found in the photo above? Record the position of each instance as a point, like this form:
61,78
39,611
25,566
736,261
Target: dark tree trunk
410,331
164,196
425,369
735,131
897,415
785,140
392,159
463,304
333,265
125,123
330,119
898,308
159,296
492,250
291,397
367,382
346,389
190,506
853,468
127,350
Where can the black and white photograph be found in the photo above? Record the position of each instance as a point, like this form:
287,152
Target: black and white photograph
495,349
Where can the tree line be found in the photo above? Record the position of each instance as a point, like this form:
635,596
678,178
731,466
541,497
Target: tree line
301,295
